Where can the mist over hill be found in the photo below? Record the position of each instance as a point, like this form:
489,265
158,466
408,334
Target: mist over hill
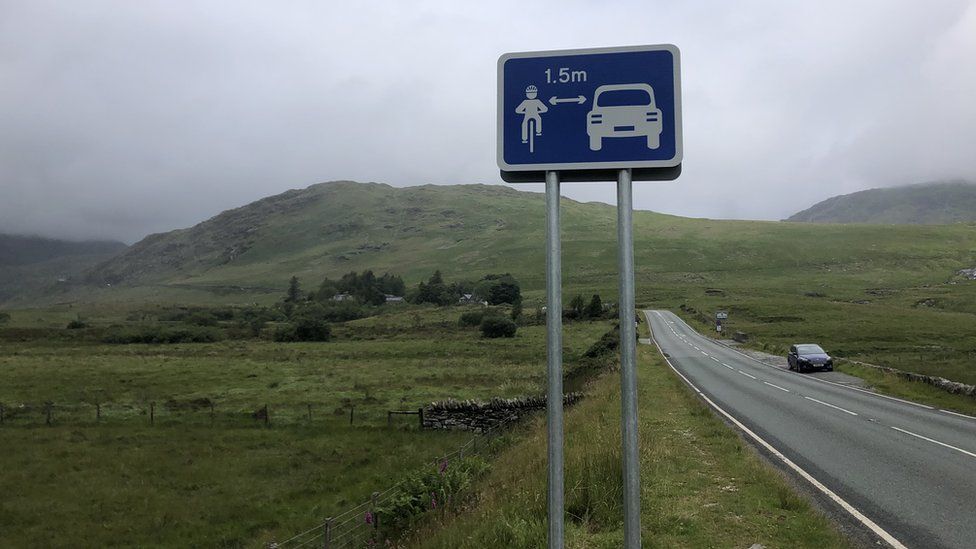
30,264
923,204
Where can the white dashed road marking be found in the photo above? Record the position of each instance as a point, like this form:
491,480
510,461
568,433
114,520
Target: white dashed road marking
831,406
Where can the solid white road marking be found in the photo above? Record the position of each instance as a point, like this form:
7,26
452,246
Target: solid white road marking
776,386
747,375
881,532
957,414
831,405
933,441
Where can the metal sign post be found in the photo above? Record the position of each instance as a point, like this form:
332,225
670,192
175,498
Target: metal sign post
605,114
628,361
554,353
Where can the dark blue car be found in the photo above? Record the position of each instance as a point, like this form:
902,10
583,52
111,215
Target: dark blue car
804,357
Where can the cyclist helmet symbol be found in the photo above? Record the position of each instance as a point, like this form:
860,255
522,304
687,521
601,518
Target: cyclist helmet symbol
531,91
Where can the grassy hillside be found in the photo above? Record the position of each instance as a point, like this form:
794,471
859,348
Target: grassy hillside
880,293
925,204
32,264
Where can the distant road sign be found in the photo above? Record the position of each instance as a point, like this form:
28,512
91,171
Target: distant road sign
590,109
721,315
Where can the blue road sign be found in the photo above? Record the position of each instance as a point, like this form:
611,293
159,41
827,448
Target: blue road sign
592,109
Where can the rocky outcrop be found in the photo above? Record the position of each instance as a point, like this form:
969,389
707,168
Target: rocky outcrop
480,416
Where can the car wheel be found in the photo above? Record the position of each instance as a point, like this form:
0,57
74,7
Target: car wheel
596,143
653,141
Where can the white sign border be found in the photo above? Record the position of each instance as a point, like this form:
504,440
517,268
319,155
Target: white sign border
500,129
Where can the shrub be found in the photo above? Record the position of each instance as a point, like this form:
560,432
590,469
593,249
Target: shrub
201,318
498,326
4,318
285,333
303,329
471,318
158,334
429,489
312,329
76,325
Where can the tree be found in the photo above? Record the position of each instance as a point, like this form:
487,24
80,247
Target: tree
294,291
595,308
517,310
577,305
327,289
434,291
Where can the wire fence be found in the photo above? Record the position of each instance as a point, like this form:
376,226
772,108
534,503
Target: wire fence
201,412
359,526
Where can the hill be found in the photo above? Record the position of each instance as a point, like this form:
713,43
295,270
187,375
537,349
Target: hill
468,230
924,204
29,264
333,228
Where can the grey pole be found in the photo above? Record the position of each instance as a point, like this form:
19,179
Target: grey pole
628,361
554,351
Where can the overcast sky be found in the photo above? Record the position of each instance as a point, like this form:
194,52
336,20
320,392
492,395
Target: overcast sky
123,118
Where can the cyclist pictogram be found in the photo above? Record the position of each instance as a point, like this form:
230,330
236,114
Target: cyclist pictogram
531,109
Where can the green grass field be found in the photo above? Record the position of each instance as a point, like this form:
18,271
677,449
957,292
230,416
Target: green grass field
185,482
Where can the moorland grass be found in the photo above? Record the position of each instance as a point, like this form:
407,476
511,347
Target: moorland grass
184,482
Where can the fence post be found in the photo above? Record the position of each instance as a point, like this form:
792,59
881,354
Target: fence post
420,412
309,412
388,416
352,412
328,533
47,412
98,412
372,504
267,416
211,414
152,413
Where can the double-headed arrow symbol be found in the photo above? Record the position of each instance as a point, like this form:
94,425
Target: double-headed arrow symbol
579,99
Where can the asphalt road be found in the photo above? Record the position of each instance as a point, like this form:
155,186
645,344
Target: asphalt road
906,468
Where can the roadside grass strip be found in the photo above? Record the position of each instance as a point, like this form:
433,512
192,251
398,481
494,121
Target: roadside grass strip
700,485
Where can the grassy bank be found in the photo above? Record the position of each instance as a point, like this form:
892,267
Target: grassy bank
701,487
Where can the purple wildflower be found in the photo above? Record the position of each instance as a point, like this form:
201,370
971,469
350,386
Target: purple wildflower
433,501
443,467
369,517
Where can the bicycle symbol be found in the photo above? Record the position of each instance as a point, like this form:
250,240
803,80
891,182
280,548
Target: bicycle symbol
531,109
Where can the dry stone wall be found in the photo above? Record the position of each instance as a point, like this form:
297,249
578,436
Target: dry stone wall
481,416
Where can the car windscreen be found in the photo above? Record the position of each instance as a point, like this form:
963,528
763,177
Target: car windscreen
623,98
809,350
